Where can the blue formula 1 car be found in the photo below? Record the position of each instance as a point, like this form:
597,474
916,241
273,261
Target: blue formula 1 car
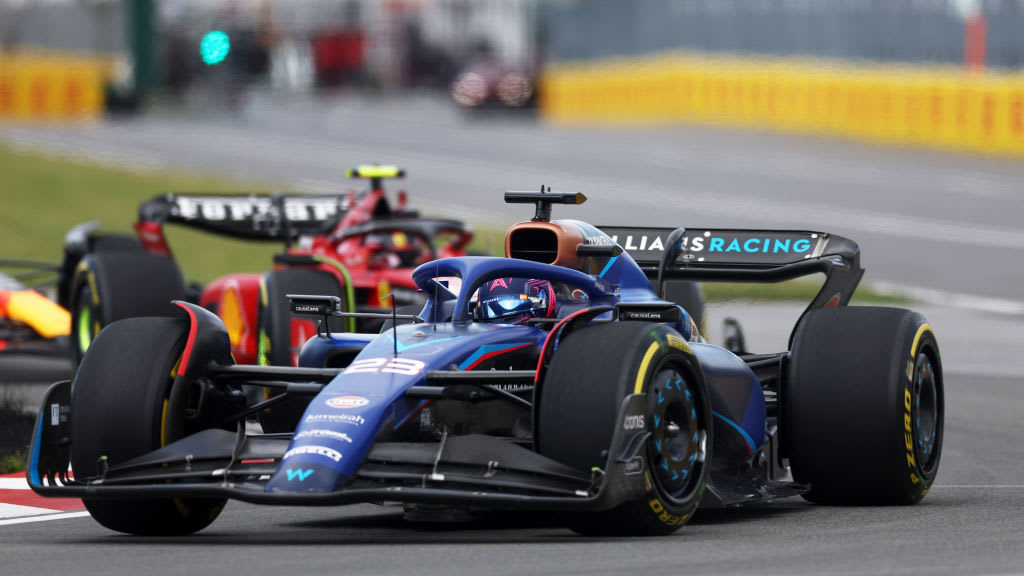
556,378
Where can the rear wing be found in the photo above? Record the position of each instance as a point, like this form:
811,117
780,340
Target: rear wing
743,255
277,217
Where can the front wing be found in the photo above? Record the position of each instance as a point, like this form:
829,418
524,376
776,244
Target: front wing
474,470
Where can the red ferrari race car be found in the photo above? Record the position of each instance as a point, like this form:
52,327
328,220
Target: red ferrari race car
359,247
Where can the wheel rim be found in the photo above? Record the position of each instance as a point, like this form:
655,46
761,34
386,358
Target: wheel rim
85,327
678,440
927,420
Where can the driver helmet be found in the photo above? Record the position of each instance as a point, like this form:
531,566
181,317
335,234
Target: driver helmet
515,300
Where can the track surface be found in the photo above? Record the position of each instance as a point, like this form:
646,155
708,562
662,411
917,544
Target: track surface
934,222
969,524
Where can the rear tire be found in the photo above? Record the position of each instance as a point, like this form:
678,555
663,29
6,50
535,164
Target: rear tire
119,403
280,340
109,286
688,295
73,254
863,406
281,336
594,370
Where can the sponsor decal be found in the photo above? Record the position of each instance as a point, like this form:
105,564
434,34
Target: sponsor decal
678,343
221,209
353,419
641,243
634,422
59,414
346,402
340,436
720,245
308,308
314,450
300,474
664,515
577,295
723,244
908,435
634,466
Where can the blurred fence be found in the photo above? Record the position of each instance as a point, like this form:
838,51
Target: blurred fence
934,106
888,71
915,31
51,87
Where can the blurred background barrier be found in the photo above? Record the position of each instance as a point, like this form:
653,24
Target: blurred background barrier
936,73
937,106
52,87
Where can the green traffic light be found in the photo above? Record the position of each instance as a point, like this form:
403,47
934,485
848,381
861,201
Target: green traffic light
214,47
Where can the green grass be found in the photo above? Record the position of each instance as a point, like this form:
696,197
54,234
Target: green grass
44,196
13,462
15,434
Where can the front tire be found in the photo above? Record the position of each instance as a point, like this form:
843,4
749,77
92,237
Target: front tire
863,406
119,406
594,370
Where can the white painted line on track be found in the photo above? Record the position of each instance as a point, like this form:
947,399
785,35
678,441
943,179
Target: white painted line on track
16,483
43,518
954,299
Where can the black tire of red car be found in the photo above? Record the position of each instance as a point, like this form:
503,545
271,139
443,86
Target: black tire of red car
578,406
118,405
862,407
109,286
688,295
275,334
74,254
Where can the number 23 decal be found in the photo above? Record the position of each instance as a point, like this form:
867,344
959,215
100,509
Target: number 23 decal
404,366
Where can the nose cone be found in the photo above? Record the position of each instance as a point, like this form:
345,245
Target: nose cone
329,443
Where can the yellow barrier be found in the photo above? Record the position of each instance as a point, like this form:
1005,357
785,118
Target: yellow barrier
48,87
940,107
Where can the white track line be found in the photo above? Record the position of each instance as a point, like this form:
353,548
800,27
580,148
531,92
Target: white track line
16,483
43,517
954,299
